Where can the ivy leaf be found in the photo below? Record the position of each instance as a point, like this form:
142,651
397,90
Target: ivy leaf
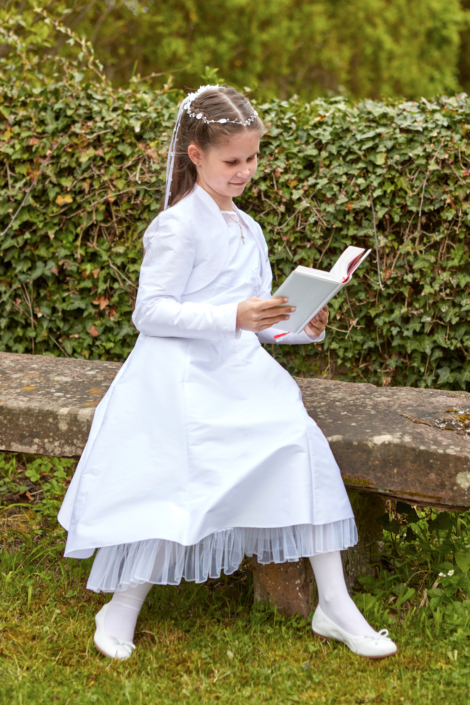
444,374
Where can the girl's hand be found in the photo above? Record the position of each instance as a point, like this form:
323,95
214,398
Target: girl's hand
318,324
256,314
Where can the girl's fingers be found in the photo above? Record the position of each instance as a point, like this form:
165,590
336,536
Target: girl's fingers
274,308
321,315
276,301
279,314
269,322
270,304
276,311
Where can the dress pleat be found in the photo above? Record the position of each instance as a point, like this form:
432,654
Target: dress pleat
167,563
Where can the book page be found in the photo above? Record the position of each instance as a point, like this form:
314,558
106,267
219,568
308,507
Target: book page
345,264
317,273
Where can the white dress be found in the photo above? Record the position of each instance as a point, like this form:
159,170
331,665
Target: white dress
202,451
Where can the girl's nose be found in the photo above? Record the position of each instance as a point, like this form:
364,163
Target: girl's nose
244,172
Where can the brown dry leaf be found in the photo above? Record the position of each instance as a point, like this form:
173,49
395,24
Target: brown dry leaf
92,331
101,301
95,272
153,154
424,601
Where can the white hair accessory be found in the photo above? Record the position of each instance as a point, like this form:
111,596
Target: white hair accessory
186,105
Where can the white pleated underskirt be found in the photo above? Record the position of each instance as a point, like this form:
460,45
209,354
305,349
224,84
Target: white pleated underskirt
165,562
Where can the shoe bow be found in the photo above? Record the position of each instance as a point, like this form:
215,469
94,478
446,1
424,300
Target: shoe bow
383,634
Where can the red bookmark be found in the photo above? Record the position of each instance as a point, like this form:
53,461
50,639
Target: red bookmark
281,335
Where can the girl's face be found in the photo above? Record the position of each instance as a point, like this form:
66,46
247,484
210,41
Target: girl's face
225,170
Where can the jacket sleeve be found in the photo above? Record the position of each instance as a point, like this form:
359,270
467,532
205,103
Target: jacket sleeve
168,262
267,336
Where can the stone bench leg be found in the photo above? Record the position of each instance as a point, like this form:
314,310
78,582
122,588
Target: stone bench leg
291,586
359,559
288,586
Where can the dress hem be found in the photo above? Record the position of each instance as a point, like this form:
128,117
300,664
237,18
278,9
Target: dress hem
164,562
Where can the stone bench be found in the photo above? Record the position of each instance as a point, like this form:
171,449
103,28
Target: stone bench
397,443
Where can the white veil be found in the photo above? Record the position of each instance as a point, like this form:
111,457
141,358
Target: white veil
170,163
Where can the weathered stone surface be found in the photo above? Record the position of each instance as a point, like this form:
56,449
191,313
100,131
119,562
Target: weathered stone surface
393,440
288,586
385,440
47,404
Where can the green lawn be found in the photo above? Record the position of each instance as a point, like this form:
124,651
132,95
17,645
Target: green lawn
208,643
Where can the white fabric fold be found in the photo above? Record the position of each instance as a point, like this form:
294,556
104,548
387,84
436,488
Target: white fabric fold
165,317
167,266
164,562
267,337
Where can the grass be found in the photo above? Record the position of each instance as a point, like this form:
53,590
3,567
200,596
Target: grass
209,643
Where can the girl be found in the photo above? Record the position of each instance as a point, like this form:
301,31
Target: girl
201,451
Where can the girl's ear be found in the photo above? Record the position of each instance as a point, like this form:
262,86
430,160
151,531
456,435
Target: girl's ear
195,154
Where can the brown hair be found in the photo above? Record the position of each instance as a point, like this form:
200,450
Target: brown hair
216,104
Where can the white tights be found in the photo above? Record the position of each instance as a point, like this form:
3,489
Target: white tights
333,595
123,610
125,605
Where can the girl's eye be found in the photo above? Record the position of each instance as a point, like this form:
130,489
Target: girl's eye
230,162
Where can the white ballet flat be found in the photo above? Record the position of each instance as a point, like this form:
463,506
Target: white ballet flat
107,644
375,646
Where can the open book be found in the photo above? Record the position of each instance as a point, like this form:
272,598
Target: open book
310,289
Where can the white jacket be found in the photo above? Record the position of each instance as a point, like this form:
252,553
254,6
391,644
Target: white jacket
185,250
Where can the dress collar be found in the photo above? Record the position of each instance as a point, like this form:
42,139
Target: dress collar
206,198
214,208
209,201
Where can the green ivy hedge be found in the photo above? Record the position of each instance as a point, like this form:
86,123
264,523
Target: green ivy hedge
82,175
